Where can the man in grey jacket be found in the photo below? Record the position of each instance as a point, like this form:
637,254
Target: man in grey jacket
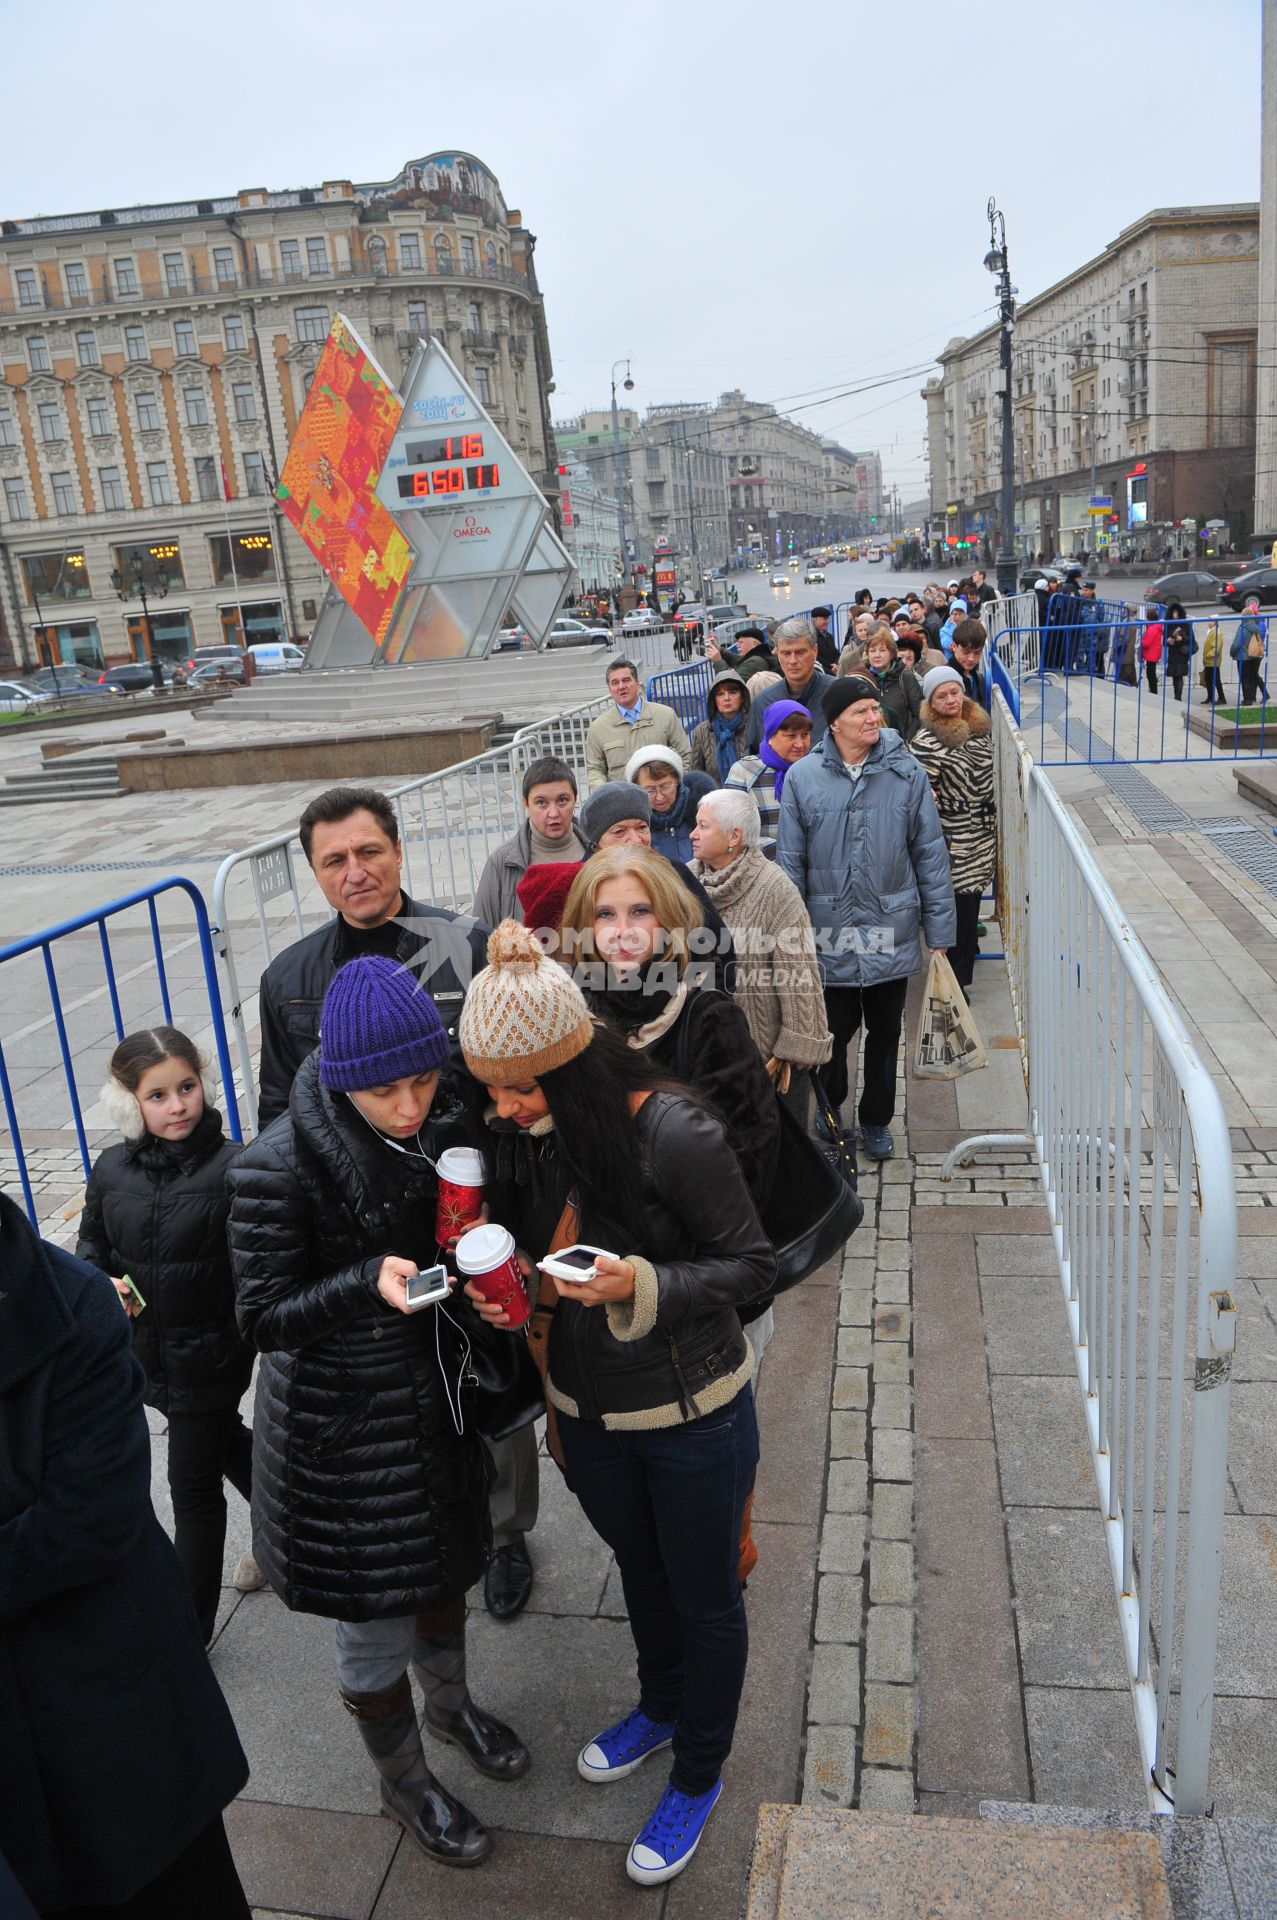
860,838
804,680
548,836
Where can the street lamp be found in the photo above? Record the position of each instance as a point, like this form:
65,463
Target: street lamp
136,589
995,261
617,481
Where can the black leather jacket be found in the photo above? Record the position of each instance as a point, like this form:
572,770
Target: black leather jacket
366,1500
444,949
706,1256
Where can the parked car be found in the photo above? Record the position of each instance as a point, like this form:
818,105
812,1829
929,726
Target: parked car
67,683
1261,581
226,673
277,656
1188,587
16,697
638,620
567,632
780,579
814,577
511,639
205,656
726,610
136,677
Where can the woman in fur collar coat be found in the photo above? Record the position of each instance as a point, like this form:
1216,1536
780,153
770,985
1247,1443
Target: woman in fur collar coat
954,743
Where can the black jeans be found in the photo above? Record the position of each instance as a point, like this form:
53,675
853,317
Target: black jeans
1250,677
202,1448
1214,685
669,1503
882,1008
1150,674
201,1884
963,951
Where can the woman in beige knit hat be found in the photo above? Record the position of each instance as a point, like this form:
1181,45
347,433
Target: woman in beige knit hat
649,1372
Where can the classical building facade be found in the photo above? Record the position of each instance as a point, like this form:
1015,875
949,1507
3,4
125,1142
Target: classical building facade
153,363
588,515
1137,372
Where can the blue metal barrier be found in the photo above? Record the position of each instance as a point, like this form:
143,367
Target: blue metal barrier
1001,679
44,942
684,689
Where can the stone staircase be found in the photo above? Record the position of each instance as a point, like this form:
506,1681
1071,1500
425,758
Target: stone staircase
87,776
519,685
814,1864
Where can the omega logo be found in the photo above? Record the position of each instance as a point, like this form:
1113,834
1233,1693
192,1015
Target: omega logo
470,529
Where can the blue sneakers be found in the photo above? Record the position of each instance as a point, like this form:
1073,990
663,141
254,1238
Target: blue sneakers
620,1749
877,1142
671,1836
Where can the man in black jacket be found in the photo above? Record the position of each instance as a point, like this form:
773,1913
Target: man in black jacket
350,836
797,658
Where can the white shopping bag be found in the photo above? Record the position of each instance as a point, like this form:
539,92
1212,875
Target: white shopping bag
948,1043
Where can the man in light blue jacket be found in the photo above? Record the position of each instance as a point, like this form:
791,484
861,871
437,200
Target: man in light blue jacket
860,838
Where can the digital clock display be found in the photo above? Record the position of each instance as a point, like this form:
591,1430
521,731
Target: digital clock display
430,482
458,446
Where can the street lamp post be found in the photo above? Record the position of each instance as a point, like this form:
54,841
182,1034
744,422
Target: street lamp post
136,589
617,480
996,262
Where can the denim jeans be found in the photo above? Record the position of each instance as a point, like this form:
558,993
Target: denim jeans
669,1504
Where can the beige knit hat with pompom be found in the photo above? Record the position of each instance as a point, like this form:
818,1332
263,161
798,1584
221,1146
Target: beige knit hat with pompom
524,1014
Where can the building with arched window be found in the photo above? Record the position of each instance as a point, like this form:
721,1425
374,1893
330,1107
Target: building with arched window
153,363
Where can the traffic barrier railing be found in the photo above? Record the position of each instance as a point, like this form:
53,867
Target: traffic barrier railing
80,1023
1086,696
684,689
449,823
1132,1144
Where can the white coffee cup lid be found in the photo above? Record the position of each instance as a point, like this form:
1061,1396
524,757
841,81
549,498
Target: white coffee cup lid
484,1247
464,1165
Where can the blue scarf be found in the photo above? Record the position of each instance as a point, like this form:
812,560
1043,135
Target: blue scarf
777,713
725,727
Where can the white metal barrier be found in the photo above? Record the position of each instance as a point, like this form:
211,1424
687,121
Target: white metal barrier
449,822
1136,1163
1012,626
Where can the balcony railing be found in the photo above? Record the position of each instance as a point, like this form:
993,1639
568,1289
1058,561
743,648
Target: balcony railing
255,280
480,337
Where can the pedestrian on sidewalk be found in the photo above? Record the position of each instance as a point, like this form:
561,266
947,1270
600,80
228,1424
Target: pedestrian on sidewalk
1180,646
648,1371
673,793
954,747
117,1751
786,740
719,740
1248,647
548,834
861,840
370,1485
154,1220
1151,634
1212,659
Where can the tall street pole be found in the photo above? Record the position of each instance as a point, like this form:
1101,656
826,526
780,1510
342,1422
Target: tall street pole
617,481
996,262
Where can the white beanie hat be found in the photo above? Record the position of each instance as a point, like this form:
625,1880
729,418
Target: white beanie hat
939,677
645,756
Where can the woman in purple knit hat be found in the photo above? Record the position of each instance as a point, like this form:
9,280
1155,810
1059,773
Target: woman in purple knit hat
369,1480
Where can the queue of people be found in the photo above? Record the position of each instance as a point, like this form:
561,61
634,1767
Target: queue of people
672,957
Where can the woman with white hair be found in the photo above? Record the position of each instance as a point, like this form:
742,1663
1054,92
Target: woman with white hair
777,983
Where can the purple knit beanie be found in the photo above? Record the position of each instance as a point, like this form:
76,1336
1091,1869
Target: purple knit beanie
377,1025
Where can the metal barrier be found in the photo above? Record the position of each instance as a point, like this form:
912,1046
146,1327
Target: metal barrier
449,822
684,689
1133,1147
1087,697
78,1022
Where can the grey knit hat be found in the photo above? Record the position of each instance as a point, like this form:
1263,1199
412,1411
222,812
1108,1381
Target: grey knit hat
618,800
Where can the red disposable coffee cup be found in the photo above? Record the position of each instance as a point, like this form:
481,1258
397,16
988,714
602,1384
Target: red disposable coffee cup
460,1203
485,1256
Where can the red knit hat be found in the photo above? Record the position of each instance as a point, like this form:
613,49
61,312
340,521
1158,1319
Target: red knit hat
543,893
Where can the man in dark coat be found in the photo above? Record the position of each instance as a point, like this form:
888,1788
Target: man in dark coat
803,680
117,1750
350,836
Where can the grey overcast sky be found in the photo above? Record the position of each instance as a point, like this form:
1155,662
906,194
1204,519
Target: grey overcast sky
786,200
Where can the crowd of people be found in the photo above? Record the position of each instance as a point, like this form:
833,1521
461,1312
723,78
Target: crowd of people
616,1037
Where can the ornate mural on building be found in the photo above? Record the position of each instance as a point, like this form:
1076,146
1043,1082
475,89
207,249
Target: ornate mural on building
442,186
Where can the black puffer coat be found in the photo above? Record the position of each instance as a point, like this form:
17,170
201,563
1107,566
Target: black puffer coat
366,1501
157,1210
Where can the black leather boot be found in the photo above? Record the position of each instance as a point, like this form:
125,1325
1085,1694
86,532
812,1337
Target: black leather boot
439,1662
508,1581
444,1829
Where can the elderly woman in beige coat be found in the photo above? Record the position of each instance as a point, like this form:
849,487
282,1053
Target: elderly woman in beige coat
777,982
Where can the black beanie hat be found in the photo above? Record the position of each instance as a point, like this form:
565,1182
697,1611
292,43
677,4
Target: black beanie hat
845,693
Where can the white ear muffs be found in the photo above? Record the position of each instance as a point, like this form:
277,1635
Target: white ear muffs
209,1086
123,1110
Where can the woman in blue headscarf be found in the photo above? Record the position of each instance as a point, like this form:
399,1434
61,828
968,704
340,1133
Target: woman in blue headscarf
786,739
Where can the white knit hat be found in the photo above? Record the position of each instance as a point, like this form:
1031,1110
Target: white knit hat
645,756
524,1014
939,677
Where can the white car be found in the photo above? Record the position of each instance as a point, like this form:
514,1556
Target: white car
780,579
638,620
814,577
575,633
15,698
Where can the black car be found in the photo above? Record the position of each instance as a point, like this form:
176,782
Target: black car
1188,586
136,677
1261,581
68,683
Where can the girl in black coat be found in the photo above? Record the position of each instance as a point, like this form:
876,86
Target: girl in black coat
370,1484
1180,647
155,1210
